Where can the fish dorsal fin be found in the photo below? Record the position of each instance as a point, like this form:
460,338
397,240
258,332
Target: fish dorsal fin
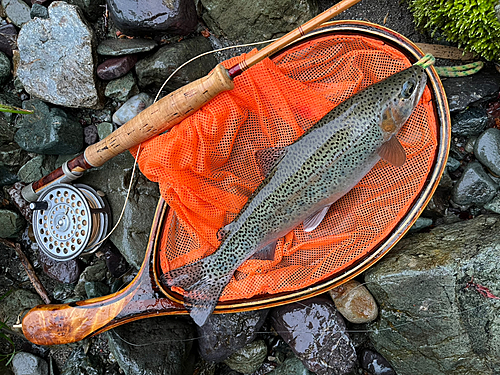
267,158
392,152
315,219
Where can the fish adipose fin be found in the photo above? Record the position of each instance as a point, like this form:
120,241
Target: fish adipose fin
392,152
315,219
267,158
202,288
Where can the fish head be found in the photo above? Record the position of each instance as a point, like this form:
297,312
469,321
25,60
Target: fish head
401,95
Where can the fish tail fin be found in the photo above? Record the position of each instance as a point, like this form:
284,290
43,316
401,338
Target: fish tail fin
202,287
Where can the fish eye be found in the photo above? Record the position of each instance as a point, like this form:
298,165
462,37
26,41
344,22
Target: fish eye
408,88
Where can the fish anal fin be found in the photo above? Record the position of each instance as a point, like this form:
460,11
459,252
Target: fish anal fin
267,158
266,253
315,219
392,152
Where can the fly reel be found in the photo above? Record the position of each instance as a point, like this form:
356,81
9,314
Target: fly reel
69,220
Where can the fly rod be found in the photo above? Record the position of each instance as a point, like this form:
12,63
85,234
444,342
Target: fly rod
171,109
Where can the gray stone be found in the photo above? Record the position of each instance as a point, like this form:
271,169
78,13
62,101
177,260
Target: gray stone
121,89
29,364
452,164
494,205
38,10
94,273
104,129
354,302
248,359
291,366
11,223
154,70
4,67
375,363
8,98
82,363
17,10
57,59
432,318
49,131
8,39
224,334
6,131
16,303
6,176
132,108
65,272
96,289
120,47
472,121
32,170
469,145
317,334
421,223
255,21
93,9
11,155
464,91
113,178
474,186
153,16
158,346
487,150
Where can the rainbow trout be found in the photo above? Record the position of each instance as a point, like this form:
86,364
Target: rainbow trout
305,178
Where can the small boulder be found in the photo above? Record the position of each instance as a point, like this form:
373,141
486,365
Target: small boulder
354,302
474,186
29,364
487,150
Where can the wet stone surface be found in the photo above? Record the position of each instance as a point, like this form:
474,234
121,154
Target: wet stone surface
474,187
472,121
132,108
120,47
354,302
29,364
487,150
375,363
116,67
248,359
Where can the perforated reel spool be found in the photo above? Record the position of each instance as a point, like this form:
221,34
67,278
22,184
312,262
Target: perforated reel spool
69,220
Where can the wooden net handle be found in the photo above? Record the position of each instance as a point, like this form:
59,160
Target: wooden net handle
160,116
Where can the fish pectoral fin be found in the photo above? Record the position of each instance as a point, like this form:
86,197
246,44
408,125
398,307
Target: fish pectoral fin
267,158
266,253
224,231
392,152
315,219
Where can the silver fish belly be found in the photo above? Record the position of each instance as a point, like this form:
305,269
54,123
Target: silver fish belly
312,173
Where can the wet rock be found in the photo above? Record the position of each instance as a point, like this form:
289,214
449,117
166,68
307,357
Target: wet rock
116,67
16,303
66,272
374,363
116,263
104,129
316,332
95,289
463,91
141,17
122,89
35,169
487,150
8,98
93,273
8,39
291,366
430,321
152,71
6,131
92,9
242,20
57,60
38,10
469,145
81,363
4,68
452,164
493,205
472,121
7,177
248,359
224,334
113,178
29,364
354,302
17,10
153,346
132,108
120,47
11,155
474,186
11,223
16,197
48,130
421,223
91,135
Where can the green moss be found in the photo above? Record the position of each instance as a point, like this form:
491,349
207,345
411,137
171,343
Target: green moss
471,23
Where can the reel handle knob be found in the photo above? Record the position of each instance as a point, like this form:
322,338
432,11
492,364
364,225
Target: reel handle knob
39,205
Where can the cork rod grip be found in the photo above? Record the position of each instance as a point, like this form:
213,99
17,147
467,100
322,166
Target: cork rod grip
160,116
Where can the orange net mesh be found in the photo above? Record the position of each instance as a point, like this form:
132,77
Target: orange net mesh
206,167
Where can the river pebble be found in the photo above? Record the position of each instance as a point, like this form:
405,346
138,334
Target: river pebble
17,11
29,364
375,364
122,89
11,223
4,67
104,129
80,362
354,302
487,150
224,334
316,332
15,303
471,121
291,366
65,272
38,10
249,358
120,47
494,205
8,39
154,16
57,58
474,186
132,108
116,67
